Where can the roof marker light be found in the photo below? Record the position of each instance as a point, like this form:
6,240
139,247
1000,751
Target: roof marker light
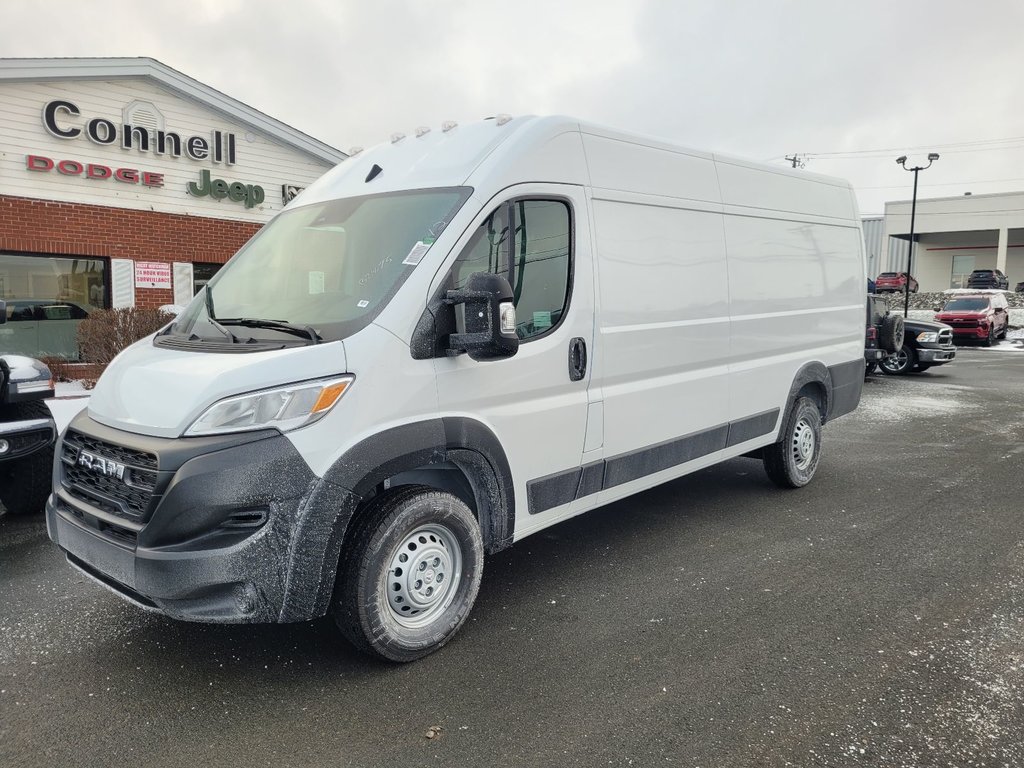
354,151
502,119
422,131
448,125
397,137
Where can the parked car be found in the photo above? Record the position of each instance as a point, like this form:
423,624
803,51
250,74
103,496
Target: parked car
1020,287
894,282
924,344
884,334
44,309
983,318
988,278
27,432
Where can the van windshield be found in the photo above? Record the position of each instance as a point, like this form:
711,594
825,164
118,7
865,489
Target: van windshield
330,267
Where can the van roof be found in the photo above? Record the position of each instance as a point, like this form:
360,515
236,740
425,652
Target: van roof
505,151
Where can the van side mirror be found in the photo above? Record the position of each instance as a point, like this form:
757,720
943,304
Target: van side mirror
490,318
938,309
3,311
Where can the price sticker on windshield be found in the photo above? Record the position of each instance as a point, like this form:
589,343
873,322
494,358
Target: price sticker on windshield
417,253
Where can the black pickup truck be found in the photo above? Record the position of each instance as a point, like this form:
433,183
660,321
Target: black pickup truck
27,432
925,343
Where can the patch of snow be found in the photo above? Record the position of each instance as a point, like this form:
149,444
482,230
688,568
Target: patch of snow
71,398
912,403
70,389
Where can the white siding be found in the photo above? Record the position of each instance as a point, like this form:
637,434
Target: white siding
260,160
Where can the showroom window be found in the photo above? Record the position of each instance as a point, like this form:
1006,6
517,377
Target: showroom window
962,268
46,300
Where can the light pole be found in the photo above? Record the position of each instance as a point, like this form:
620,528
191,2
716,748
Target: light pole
932,157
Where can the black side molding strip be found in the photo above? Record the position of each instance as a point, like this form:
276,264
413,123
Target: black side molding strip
553,490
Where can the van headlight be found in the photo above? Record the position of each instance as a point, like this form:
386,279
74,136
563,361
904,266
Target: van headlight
928,337
283,408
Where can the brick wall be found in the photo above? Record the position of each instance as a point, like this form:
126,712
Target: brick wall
74,229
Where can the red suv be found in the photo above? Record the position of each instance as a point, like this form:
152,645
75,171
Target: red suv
894,281
982,317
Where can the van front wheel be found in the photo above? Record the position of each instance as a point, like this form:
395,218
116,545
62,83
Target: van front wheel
409,573
791,462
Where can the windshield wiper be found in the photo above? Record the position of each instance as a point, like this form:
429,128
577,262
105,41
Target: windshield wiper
305,331
212,318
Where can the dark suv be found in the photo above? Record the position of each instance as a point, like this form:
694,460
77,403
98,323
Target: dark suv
988,278
884,334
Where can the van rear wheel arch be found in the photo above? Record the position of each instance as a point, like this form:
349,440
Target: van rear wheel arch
813,381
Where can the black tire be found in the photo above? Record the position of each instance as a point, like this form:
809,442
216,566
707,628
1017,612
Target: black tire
890,335
900,363
990,338
791,462
25,483
374,584
1006,330
869,368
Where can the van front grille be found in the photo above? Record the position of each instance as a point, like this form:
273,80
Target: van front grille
126,493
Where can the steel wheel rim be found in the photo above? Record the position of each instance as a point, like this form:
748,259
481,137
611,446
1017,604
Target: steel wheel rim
423,576
803,444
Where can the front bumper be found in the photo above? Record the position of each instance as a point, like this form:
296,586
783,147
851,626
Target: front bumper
220,539
936,355
23,438
970,334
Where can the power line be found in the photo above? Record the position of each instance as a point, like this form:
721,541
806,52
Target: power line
949,147
979,145
947,184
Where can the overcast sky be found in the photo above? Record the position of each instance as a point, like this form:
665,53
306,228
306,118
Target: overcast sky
755,78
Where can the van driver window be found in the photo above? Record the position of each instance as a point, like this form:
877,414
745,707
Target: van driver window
538,247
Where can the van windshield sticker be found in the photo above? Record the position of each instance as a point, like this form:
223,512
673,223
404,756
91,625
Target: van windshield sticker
417,253
542,319
316,282
363,303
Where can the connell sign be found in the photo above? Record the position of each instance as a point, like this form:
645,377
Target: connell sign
64,120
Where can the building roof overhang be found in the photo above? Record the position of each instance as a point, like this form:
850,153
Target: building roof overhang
37,70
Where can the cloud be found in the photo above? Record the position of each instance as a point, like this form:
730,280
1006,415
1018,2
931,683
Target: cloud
758,79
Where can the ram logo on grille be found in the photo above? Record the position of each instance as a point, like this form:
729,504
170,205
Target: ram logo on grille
100,465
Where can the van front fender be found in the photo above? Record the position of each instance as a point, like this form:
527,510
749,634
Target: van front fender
327,510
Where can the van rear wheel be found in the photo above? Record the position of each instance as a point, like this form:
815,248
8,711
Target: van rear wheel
409,573
791,462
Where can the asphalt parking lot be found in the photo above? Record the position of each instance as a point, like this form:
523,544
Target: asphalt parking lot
875,617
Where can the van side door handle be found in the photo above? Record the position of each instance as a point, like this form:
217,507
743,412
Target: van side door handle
577,359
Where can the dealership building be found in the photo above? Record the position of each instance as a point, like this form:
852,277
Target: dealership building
952,237
126,183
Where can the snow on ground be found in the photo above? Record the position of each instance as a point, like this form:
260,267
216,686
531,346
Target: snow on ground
905,402
71,398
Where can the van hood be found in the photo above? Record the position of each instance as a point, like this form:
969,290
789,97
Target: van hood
159,392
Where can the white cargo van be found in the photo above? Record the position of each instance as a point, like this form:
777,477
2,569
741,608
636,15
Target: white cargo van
447,343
